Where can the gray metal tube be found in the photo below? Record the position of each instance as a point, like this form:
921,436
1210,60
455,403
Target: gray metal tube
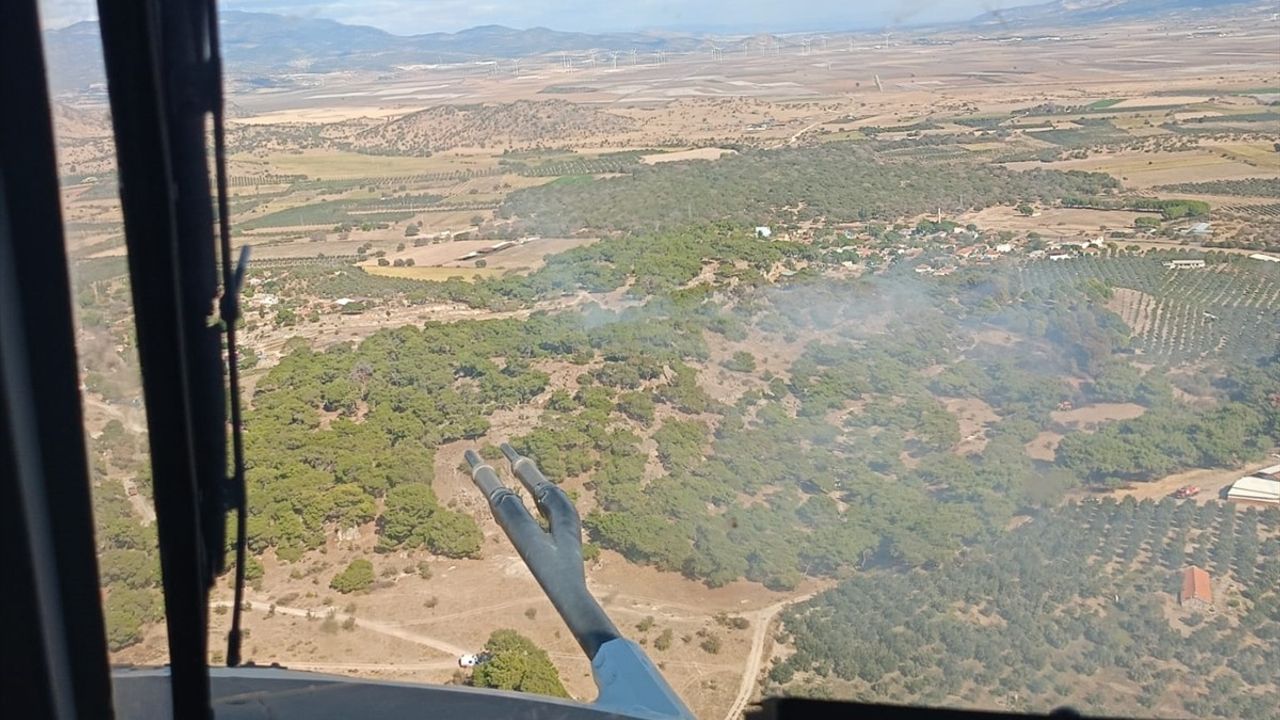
554,558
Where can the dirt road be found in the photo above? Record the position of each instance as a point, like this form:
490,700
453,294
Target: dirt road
1210,481
371,625
142,507
762,619
370,667
796,137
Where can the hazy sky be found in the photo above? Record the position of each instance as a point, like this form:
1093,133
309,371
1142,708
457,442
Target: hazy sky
421,16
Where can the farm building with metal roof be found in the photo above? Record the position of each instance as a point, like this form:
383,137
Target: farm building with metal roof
1262,488
1197,591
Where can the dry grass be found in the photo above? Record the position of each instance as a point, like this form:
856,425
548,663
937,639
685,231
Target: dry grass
432,273
1053,221
709,153
973,416
1089,417
1140,170
338,165
1259,154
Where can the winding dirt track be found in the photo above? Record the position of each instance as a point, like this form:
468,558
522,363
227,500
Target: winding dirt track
372,625
762,618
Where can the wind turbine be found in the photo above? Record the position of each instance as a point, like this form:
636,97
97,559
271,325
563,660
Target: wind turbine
633,56
515,67
614,57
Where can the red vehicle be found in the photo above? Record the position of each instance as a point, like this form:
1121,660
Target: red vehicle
1186,491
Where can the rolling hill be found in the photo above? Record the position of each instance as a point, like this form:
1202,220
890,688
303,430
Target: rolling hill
264,44
1077,12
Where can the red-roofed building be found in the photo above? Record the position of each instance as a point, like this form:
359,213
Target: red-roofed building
1197,592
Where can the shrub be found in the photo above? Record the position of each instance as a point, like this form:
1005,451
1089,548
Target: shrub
742,361
663,640
356,577
711,644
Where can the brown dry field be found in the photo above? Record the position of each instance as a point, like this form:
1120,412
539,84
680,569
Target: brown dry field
689,95
1088,417
1142,170
974,416
526,256
1051,222
694,154
1044,446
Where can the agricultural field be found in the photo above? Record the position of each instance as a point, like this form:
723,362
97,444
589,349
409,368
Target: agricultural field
342,165
1250,187
1145,170
1108,628
1229,309
437,274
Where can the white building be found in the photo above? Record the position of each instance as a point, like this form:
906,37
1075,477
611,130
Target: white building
764,231
1264,258
1255,490
1184,264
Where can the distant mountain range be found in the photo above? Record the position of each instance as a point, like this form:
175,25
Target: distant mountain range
267,44
1079,12
260,46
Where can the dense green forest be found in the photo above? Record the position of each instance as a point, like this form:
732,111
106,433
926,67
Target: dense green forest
1071,608
838,182
844,459
846,456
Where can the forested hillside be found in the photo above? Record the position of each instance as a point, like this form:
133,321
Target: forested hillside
844,454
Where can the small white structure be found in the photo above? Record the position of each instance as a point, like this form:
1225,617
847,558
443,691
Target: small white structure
1004,248
1059,256
265,300
1084,244
1264,258
1200,228
1184,264
343,302
471,660
764,231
